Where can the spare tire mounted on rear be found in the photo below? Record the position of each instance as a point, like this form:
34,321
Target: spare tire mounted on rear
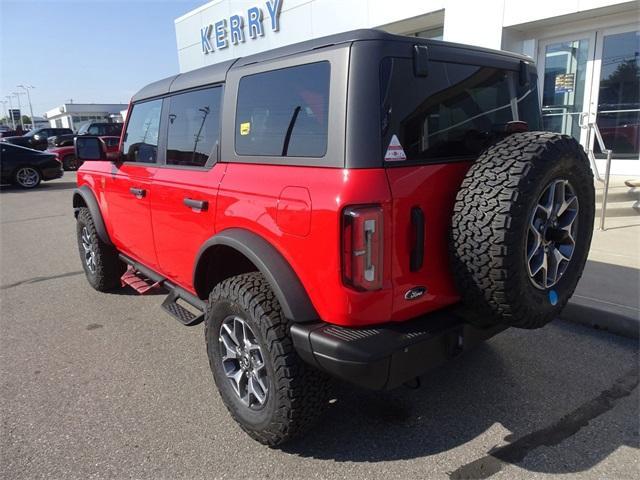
521,229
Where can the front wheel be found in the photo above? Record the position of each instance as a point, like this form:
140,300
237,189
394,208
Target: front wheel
269,391
100,261
27,177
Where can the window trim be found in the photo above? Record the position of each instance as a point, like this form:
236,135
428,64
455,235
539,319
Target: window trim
334,157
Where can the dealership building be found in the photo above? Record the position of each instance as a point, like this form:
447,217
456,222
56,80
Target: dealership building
73,115
587,51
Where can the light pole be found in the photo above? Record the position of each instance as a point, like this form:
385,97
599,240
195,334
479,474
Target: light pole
26,89
13,122
17,94
4,109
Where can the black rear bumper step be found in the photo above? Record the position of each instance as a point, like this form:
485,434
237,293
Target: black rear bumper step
386,356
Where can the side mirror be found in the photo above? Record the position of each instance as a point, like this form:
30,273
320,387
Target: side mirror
90,148
39,137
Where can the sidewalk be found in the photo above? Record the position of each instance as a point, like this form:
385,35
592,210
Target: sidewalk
608,294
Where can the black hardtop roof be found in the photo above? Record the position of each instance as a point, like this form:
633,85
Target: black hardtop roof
217,73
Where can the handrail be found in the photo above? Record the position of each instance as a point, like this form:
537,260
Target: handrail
593,126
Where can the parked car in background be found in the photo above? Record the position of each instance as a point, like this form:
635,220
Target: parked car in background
26,167
67,154
91,128
37,139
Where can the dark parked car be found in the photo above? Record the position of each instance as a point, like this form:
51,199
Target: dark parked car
91,128
37,139
26,167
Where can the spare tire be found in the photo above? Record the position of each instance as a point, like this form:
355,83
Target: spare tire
521,229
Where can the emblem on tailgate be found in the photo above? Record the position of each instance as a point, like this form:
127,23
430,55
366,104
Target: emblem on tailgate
414,293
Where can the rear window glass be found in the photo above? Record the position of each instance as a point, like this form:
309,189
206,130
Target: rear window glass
455,112
141,139
284,112
194,127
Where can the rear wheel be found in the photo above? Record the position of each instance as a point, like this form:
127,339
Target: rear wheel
521,229
27,177
100,261
269,391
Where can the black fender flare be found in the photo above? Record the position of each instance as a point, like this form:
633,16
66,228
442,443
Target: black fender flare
89,199
291,294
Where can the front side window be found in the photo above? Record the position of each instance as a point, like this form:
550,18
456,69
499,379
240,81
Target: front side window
455,112
141,139
194,127
284,112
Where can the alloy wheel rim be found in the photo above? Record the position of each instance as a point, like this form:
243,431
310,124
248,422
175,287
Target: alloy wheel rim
89,253
243,362
551,237
27,177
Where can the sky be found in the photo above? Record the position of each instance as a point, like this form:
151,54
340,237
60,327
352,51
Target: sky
91,51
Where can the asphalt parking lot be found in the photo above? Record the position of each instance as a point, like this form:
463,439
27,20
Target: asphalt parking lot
108,386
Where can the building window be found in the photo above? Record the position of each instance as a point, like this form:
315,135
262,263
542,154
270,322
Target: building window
284,112
194,127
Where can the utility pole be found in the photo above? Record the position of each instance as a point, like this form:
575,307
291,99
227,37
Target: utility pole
17,94
26,89
13,122
4,109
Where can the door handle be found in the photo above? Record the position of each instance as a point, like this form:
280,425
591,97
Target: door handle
196,205
138,192
417,251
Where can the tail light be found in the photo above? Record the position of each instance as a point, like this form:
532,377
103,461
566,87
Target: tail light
362,252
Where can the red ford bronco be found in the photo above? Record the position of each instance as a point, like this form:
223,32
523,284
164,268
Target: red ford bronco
362,206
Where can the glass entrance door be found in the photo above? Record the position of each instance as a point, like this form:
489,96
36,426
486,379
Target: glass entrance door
616,93
566,83
595,77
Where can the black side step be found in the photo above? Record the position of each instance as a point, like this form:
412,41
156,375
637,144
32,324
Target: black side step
177,311
170,304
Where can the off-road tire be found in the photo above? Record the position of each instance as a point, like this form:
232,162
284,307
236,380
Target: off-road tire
298,393
108,267
490,223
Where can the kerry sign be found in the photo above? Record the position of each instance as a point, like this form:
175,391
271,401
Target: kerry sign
235,29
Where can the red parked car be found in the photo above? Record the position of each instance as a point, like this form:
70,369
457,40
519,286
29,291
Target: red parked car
67,155
362,206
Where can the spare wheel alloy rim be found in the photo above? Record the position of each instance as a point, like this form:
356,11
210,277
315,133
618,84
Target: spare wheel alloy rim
243,362
551,237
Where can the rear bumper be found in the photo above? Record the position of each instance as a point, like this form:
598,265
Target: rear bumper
385,357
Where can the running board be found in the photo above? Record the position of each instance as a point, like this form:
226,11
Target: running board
139,283
134,278
177,311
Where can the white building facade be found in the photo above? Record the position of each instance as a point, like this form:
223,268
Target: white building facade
587,51
73,115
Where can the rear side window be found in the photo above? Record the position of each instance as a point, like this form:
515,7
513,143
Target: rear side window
284,112
455,112
194,127
141,139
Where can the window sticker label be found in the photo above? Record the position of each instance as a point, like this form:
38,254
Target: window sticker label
245,128
395,153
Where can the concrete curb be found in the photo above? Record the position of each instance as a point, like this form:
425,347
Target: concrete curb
601,319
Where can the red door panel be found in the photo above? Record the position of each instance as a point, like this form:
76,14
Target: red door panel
180,229
127,193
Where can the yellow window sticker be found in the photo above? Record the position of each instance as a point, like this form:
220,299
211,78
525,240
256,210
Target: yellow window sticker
245,128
